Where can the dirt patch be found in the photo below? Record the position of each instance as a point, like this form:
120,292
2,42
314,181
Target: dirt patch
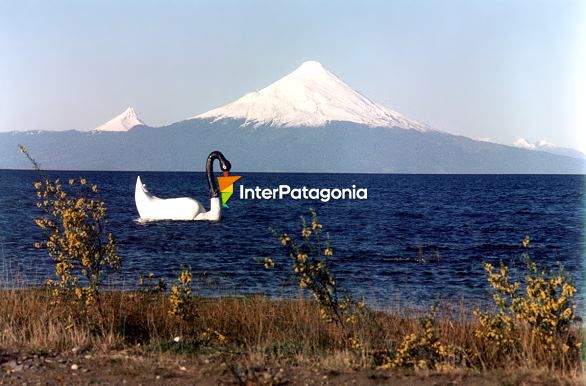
132,368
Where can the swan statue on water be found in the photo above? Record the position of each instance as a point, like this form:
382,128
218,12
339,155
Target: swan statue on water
152,208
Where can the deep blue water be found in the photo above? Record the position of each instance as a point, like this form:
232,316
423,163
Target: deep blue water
455,222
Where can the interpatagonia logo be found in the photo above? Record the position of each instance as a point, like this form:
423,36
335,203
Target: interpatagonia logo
226,184
303,193
227,187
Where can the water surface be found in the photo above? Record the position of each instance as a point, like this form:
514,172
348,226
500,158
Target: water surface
417,237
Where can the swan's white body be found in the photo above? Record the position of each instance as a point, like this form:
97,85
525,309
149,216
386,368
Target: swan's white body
152,208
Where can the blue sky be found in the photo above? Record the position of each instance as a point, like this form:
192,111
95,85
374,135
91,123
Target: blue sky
485,69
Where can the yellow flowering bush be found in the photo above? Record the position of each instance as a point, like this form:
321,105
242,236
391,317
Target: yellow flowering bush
424,351
497,327
548,307
180,297
310,258
74,222
543,301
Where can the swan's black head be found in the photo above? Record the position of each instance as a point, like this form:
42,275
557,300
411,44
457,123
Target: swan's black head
225,165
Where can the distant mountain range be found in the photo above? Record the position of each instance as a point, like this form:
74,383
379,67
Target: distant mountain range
308,121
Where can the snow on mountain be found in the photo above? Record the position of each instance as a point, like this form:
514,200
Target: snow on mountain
548,147
525,144
123,122
309,96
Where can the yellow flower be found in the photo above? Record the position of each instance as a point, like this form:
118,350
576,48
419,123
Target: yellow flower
526,242
328,252
306,232
302,257
83,181
285,239
221,337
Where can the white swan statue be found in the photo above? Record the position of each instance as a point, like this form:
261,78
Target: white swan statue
152,208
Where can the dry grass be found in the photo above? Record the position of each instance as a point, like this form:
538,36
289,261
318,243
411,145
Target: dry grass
290,331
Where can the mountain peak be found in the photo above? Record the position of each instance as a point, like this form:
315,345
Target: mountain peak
122,122
309,96
309,69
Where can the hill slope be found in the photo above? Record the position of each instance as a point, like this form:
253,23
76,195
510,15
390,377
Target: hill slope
335,147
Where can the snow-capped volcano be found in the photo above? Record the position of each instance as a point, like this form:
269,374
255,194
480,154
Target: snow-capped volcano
309,96
123,122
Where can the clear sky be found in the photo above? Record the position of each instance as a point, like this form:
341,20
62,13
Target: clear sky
497,69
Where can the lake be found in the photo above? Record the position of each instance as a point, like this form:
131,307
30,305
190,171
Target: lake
416,237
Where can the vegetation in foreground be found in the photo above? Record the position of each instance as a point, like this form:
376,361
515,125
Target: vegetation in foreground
532,324
244,334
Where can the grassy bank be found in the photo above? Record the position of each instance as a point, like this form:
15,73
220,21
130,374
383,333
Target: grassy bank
283,332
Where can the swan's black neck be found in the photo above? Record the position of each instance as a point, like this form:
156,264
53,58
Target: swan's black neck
224,165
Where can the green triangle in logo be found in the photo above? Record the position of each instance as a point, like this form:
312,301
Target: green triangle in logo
225,197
